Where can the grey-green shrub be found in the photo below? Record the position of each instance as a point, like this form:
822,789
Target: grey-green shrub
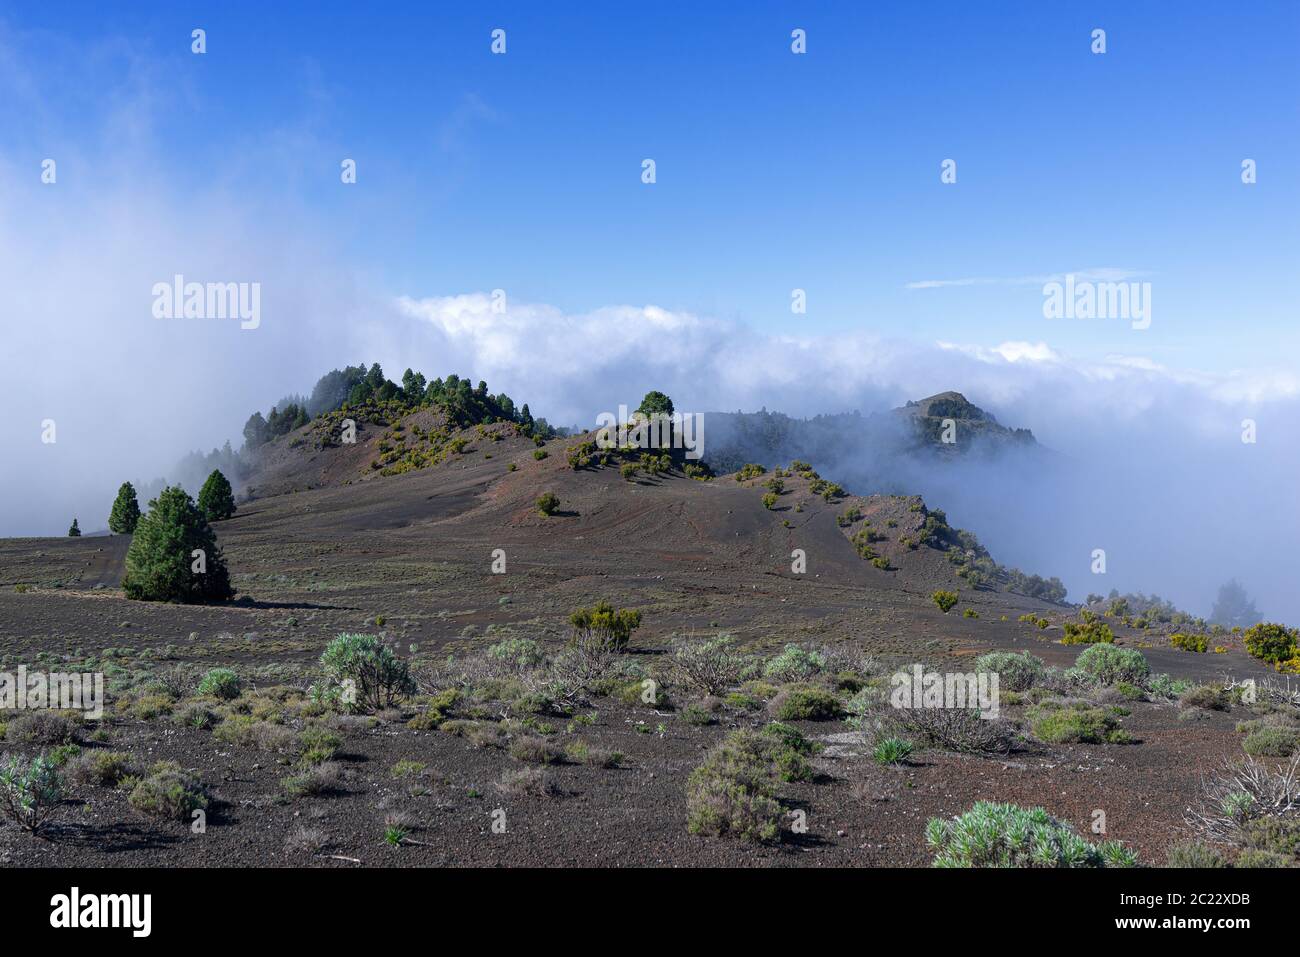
30,790
1108,664
41,727
709,666
1271,741
1017,671
794,664
1163,686
518,654
1006,835
732,794
1196,855
169,792
363,673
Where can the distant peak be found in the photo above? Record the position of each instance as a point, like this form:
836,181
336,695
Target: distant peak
949,405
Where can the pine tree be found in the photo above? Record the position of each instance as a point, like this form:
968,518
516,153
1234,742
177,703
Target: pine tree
216,499
74,531
126,511
656,401
1234,608
161,564
254,430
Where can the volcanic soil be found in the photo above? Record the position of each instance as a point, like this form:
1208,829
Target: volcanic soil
326,546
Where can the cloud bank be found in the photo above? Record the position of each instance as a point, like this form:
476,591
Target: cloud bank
1154,467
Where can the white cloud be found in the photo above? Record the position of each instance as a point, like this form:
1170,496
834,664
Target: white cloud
578,364
1154,469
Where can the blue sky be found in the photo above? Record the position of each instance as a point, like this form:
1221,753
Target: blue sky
775,171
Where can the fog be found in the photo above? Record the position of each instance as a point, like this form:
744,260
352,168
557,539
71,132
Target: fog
1149,462
1152,467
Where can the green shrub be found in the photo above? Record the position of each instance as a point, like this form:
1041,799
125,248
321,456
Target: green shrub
1077,725
580,752
944,599
963,730
1089,632
696,714
806,704
1271,741
104,769
313,781
481,734
1271,643
1108,665
1197,643
30,790
762,690
317,745
548,503
707,666
220,683
364,674
169,792
520,654
150,706
1130,691
891,750
1163,686
1194,854
1208,697
787,751
604,626
534,749
247,731
732,793
1016,671
1005,835
196,715
1253,859
41,727
1276,837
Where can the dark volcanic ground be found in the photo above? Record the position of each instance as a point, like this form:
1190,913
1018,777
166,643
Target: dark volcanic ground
414,552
